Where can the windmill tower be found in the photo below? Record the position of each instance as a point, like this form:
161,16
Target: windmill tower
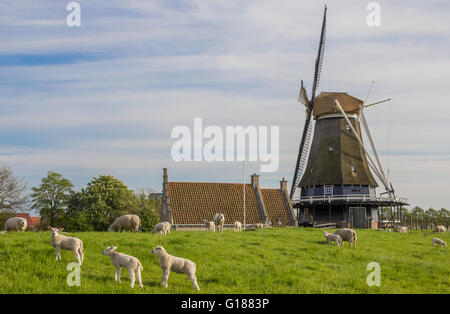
334,173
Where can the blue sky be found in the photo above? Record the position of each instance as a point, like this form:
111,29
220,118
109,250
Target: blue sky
103,98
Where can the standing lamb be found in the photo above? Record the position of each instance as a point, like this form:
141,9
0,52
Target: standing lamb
403,230
126,261
438,241
219,220
126,222
237,226
16,224
162,228
347,235
439,229
179,265
210,225
60,241
333,237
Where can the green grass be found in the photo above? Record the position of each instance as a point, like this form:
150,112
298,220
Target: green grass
289,260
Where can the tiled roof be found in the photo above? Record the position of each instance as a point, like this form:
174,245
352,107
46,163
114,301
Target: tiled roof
192,202
276,207
31,221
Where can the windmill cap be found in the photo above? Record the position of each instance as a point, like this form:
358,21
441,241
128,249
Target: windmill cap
324,103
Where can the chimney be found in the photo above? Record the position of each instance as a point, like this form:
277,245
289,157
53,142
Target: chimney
166,213
283,185
255,180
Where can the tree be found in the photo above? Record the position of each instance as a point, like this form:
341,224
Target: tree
51,197
148,211
106,198
13,191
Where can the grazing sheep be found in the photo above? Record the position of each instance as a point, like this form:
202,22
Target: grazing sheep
16,224
210,225
237,226
403,230
179,265
347,235
162,228
333,237
439,229
256,226
219,220
126,261
438,241
60,241
126,222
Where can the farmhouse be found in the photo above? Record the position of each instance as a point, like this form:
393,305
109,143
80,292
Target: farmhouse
187,204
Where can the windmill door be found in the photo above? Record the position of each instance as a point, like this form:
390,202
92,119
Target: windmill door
358,217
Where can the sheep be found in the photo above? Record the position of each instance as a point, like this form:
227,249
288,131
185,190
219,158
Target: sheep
439,229
126,222
162,228
60,241
16,224
179,265
347,235
256,226
333,237
210,225
219,220
438,241
131,263
403,230
237,226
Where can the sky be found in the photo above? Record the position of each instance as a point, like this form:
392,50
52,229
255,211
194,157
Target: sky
103,98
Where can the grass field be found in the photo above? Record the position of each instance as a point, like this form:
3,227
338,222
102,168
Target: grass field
289,260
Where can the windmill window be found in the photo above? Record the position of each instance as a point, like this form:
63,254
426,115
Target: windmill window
330,148
347,127
353,168
328,189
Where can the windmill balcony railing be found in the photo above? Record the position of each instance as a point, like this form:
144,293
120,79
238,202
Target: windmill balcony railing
350,198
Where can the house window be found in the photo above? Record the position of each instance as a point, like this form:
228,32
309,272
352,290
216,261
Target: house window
328,189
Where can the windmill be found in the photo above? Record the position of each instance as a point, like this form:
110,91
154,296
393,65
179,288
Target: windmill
334,171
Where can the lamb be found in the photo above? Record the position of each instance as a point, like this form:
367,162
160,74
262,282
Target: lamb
403,230
16,224
179,265
438,241
439,229
347,235
210,225
219,220
131,263
60,241
126,222
333,237
257,226
237,226
162,228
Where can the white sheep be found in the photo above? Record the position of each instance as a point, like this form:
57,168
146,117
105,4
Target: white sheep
179,265
162,228
126,222
403,230
438,241
439,229
210,225
331,237
16,224
73,244
131,263
256,226
237,226
219,220
347,235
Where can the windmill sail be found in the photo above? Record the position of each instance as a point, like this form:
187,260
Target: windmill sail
307,129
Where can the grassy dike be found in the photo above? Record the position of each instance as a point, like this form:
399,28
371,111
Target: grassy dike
287,260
